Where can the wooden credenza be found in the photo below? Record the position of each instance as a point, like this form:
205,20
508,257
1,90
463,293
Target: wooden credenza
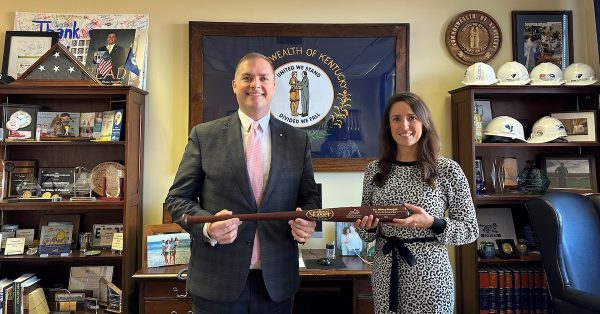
345,290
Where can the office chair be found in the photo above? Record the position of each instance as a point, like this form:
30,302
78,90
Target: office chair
568,233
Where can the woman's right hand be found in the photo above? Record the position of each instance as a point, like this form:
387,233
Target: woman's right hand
366,223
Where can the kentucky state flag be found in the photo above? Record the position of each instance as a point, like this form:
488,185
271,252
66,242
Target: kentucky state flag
131,63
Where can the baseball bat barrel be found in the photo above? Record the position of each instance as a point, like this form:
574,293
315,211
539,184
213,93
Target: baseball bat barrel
383,213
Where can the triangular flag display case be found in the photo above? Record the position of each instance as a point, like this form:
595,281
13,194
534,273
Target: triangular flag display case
80,94
57,66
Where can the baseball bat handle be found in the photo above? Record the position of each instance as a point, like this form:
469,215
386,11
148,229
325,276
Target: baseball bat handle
383,213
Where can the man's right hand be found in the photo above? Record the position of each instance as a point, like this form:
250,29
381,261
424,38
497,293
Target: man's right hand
224,232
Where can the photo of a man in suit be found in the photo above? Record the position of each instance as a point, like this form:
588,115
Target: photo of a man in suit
247,162
117,53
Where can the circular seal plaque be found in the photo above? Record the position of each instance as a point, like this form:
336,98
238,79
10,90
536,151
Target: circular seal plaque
473,36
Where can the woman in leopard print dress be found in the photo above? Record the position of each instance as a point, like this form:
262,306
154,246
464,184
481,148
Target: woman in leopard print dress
411,271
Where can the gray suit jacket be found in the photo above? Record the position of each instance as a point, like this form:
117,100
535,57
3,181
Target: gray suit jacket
212,176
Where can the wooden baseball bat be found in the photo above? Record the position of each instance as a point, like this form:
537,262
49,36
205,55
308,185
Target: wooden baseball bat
383,213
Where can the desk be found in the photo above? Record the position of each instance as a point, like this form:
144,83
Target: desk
346,290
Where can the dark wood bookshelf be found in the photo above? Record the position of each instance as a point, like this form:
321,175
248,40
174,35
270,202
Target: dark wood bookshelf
524,103
76,97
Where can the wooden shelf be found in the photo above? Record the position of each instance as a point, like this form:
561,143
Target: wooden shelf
74,256
530,145
532,257
68,97
524,103
58,143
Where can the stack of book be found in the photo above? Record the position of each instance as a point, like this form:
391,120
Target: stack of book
513,289
22,295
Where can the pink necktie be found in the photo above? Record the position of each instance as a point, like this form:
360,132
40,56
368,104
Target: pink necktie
255,172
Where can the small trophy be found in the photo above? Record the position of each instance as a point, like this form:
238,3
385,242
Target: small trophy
115,298
82,185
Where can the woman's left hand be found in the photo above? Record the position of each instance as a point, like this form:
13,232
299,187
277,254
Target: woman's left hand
419,218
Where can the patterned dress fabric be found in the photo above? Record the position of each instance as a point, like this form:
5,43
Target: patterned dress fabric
428,286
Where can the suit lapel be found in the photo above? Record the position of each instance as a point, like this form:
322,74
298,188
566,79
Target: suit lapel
237,159
278,136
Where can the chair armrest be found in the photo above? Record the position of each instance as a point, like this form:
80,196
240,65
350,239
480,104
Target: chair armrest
582,298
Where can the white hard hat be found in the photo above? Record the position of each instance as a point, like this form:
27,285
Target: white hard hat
513,73
506,128
479,74
579,74
547,129
547,73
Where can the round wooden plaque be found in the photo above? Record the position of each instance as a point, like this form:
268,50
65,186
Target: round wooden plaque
473,36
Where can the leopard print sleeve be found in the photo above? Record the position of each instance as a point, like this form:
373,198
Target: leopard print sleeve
367,198
461,221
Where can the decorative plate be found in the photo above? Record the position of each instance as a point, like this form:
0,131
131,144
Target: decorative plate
113,172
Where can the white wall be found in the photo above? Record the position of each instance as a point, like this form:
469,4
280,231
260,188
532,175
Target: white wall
432,70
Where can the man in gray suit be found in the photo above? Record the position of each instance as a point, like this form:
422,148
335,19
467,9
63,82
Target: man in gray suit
213,179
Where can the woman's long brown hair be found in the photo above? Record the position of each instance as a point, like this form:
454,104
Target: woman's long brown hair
429,143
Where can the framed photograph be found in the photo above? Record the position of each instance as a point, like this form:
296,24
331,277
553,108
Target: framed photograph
580,125
168,249
22,49
53,220
576,174
102,234
542,36
347,240
332,80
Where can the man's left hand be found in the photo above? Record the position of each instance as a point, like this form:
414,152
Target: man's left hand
302,229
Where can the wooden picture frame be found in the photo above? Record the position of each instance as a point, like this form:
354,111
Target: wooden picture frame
542,36
580,125
571,173
337,137
16,171
73,219
23,49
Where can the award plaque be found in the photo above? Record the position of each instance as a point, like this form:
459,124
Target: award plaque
82,185
115,298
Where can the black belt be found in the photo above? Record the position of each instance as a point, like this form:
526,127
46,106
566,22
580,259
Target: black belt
396,246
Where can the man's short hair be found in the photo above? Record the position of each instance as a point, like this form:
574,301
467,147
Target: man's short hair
111,32
254,55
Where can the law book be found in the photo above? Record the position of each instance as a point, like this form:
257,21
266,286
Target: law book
516,296
508,289
533,291
484,286
501,290
493,290
546,303
3,284
18,291
26,288
537,277
525,291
